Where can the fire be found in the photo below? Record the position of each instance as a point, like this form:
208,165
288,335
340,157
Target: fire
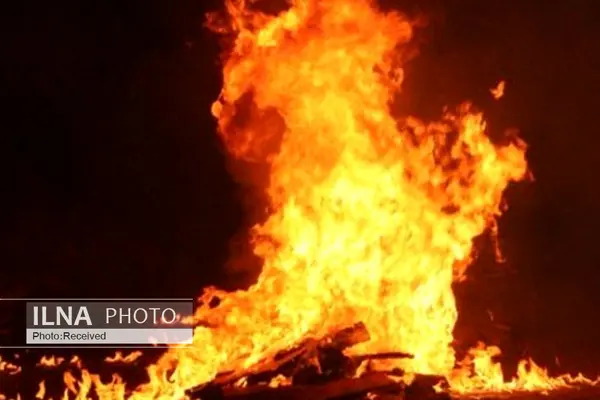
41,393
50,361
498,91
480,373
9,368
120,358
371,216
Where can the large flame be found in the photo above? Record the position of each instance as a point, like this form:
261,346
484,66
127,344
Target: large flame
371,217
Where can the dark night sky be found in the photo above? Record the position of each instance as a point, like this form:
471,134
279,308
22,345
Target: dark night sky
115,184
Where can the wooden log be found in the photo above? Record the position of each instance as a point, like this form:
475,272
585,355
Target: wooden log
327,361
268,365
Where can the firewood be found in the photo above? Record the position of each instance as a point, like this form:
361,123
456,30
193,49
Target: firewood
267,366
270,365
292,362
327,361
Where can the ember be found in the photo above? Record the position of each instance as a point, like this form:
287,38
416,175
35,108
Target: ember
371,220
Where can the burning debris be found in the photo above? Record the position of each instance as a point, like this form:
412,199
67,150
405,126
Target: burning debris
319,369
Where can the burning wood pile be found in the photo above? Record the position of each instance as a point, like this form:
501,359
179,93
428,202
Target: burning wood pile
320,370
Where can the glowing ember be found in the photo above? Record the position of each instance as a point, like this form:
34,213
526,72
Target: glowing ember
370,219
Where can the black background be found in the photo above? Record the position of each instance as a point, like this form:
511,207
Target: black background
114,182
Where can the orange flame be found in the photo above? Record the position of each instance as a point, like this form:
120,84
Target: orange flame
498,91
480,373
9,368
371,217
41,393
120,358
50,361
